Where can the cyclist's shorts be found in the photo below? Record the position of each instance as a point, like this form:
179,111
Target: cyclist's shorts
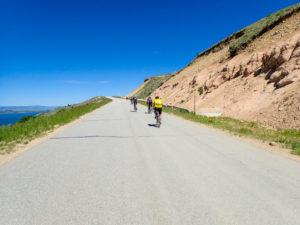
159,110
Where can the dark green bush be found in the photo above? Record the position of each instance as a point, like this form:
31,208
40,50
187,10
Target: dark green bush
200,90
24,119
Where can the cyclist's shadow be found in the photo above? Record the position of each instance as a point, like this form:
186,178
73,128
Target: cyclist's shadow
151,125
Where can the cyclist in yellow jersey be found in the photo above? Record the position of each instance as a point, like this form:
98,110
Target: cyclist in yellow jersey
158,106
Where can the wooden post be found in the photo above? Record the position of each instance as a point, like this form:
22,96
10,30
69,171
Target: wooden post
195,103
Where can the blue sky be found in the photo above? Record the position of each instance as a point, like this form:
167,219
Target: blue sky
63,52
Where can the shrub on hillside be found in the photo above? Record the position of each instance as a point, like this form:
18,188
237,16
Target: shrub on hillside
24,119
200,90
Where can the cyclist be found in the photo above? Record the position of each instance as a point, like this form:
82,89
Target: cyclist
134,100
149,101
158,106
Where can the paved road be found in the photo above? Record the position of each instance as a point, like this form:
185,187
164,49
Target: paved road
113,167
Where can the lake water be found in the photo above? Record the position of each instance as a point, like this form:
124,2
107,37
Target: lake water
11,118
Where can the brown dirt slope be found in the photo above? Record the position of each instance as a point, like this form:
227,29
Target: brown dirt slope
260,83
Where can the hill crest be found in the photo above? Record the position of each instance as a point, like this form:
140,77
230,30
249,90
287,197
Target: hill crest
259,82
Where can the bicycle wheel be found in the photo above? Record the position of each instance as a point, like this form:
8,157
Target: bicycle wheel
157,119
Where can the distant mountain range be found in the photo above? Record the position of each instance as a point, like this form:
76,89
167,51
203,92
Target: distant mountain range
30,108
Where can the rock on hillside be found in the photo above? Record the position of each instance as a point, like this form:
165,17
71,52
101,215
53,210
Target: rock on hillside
262,86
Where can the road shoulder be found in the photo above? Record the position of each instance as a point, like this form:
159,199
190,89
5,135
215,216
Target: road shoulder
21,148
274,147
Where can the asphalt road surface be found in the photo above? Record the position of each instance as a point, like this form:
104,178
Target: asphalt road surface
114,167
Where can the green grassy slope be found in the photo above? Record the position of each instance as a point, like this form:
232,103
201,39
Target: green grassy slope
251,32
28,128
243,37
152,84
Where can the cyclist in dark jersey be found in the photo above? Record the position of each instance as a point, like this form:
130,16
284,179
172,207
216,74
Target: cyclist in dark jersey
134,100
149,101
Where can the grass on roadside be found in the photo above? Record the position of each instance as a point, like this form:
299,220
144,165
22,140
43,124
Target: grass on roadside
31,127
287,138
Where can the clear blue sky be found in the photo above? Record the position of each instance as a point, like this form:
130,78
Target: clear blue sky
62,52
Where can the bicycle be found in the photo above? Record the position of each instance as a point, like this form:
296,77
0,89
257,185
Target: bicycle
158,120
134,105
149,108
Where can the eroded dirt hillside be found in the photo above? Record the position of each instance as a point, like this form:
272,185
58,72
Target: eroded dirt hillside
261,83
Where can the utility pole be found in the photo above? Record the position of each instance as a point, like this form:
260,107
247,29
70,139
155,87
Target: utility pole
195,103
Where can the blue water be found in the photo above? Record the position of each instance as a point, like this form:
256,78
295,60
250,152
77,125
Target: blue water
11,118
